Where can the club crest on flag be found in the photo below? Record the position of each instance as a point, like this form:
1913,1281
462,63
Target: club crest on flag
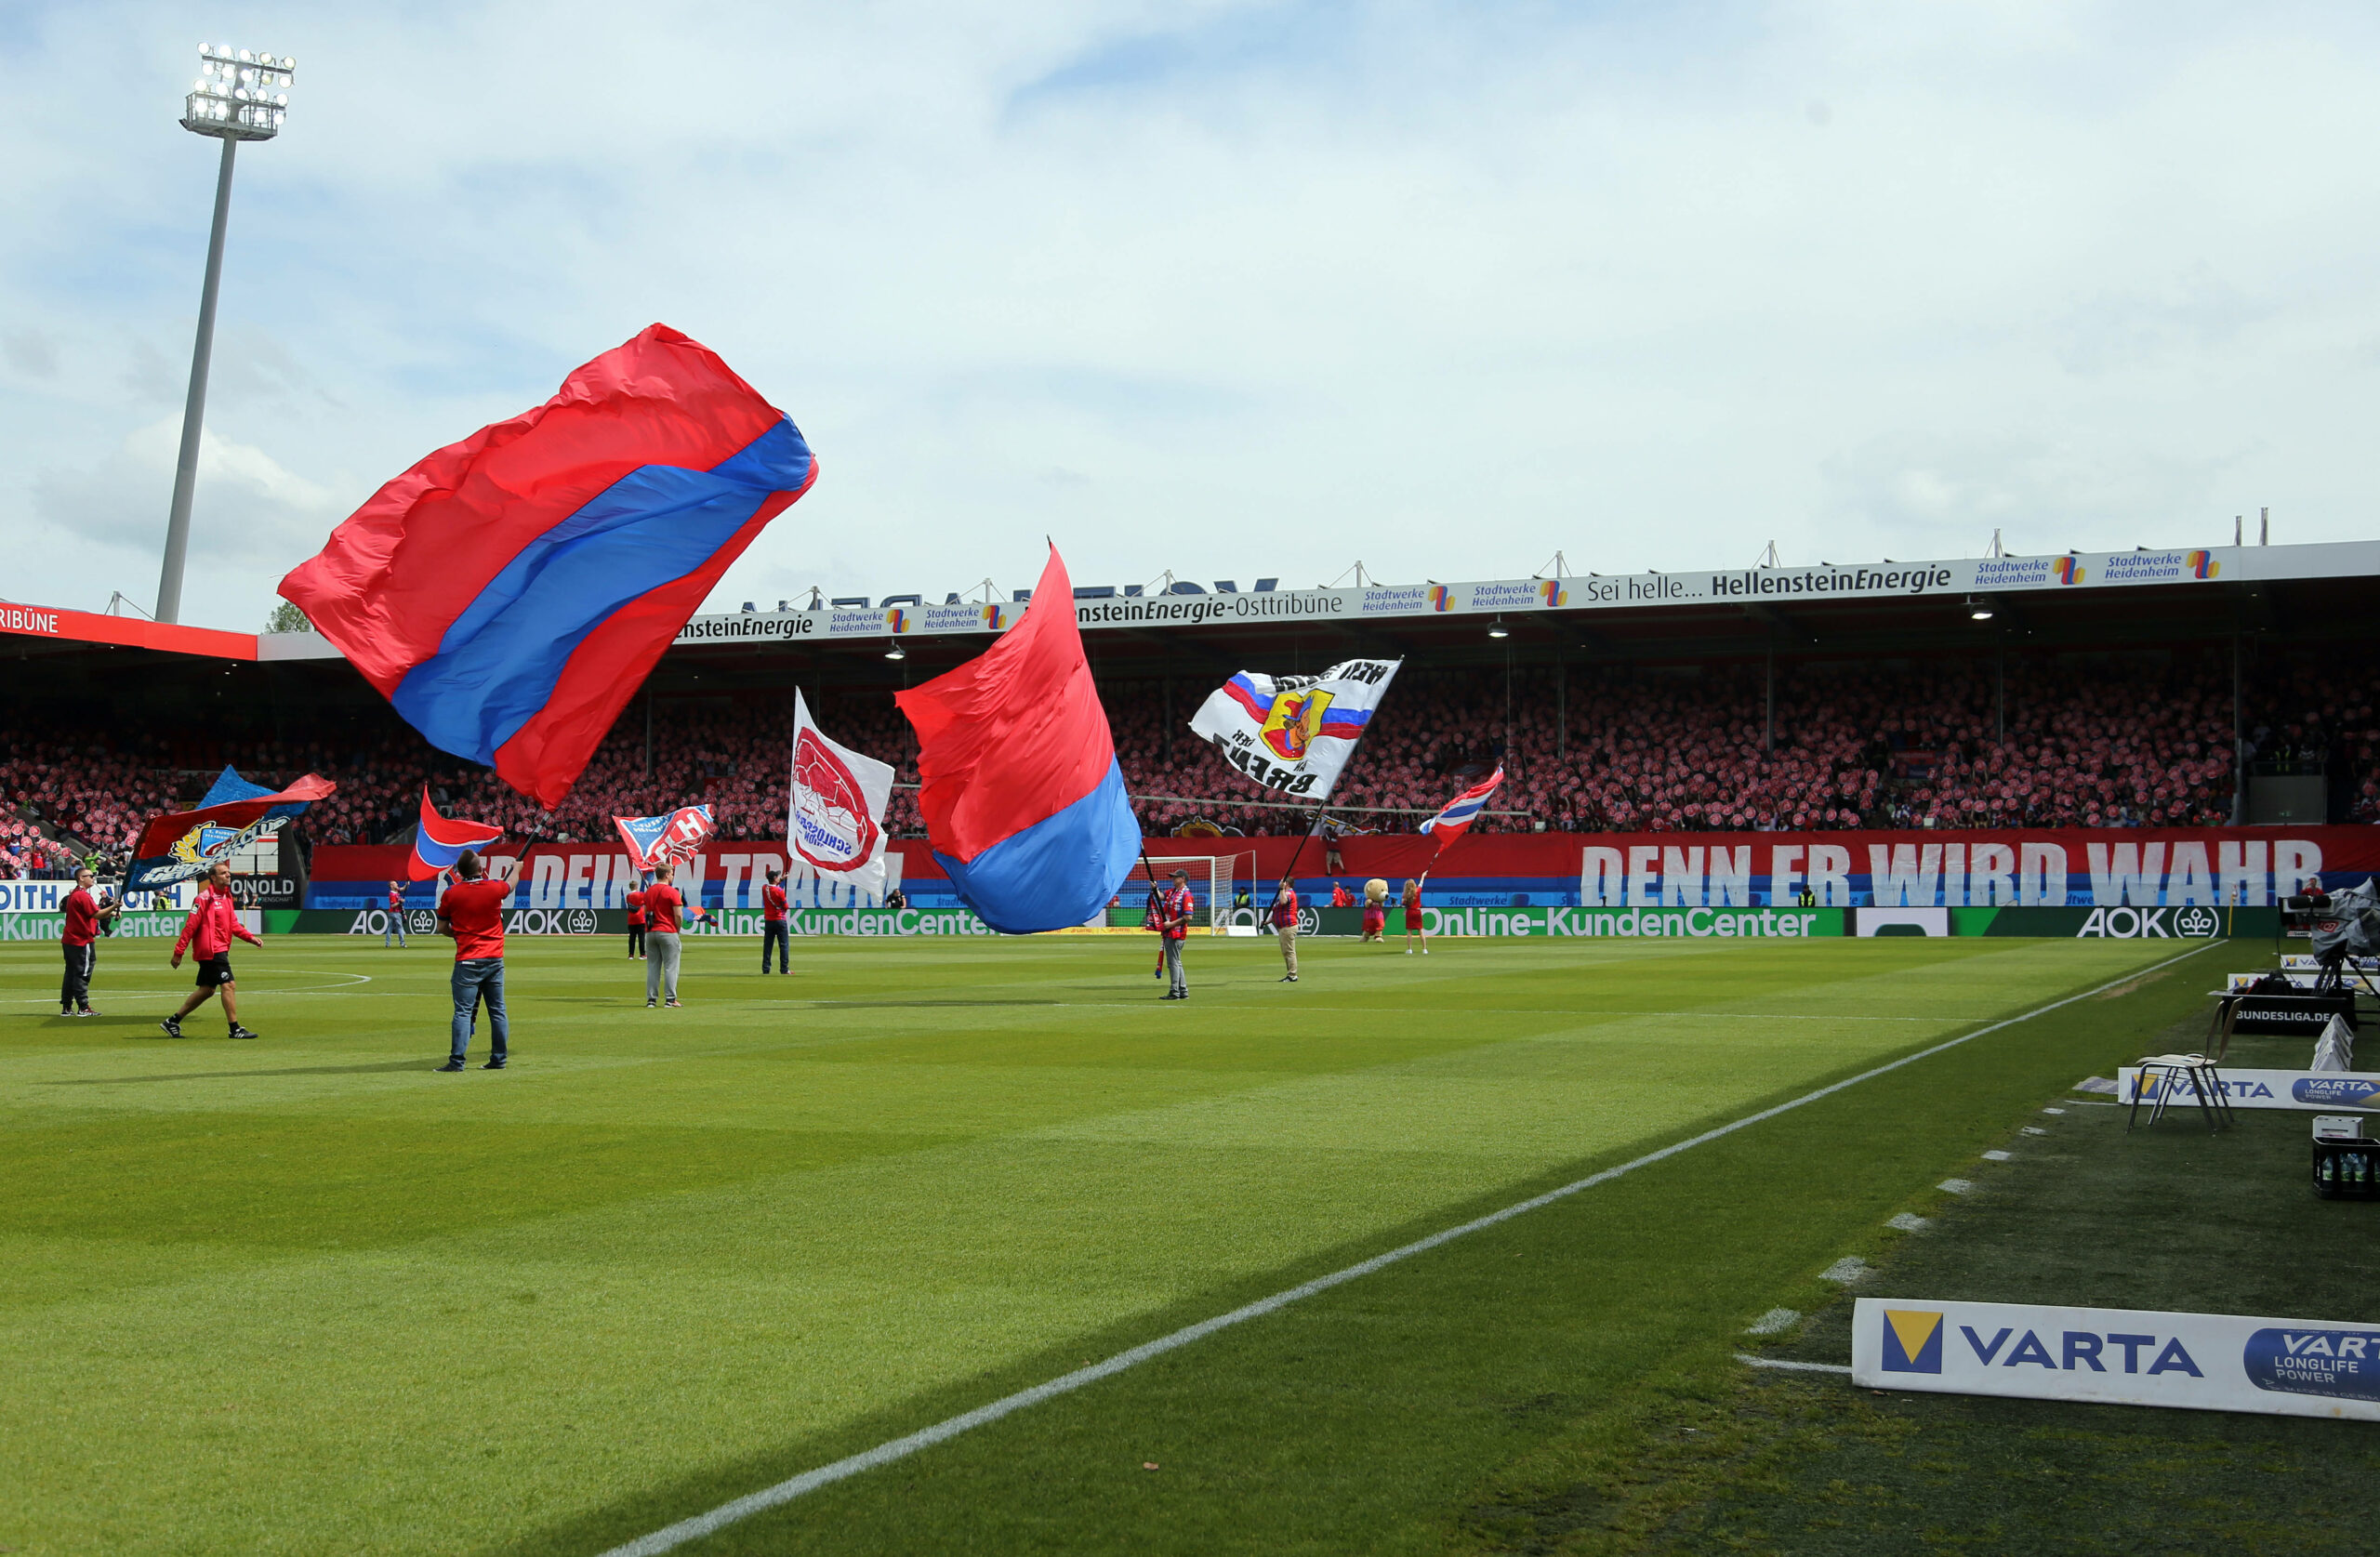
1293,721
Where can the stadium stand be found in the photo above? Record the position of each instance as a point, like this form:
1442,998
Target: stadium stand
2075,740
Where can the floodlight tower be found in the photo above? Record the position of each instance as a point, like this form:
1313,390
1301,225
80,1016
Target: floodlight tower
239,95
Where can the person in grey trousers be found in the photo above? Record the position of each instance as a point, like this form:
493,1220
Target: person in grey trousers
664,908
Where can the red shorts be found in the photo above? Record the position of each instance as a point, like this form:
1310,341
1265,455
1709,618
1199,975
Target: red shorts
1374,919
1412,918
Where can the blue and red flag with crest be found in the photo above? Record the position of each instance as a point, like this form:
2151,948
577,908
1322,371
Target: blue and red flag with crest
675,834
234,813
508,593
439,841
1023,800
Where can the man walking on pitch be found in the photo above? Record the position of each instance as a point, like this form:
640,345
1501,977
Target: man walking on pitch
774,931
396,916
1285,926
473,912
1175,907
214,920
85,915
662,909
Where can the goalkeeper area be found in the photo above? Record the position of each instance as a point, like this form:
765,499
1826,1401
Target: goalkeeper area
1223,887
304,1296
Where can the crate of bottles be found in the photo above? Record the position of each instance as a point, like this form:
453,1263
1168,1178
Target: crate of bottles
2346,1169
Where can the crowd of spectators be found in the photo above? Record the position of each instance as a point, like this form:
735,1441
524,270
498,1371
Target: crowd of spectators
2042,742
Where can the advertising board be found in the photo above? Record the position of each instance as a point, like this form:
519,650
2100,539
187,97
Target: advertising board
2200,1362
129,927
2304,1090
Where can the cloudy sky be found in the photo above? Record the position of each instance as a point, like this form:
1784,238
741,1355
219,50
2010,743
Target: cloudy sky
1232,289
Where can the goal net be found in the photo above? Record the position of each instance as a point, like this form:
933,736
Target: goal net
1216,883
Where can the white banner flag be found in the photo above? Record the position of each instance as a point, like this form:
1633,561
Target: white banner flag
1294,732
834,819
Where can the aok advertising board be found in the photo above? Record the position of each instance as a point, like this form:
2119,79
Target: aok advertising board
424,921
2201,1362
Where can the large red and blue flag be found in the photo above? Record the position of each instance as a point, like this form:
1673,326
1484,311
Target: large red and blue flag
1463,810
439,841
508,593
1023,803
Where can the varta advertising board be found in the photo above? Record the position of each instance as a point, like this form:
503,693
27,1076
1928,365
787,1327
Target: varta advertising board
2202,1361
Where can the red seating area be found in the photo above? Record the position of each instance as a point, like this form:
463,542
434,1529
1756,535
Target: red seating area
2073,741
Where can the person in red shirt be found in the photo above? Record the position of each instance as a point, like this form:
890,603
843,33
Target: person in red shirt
85,915
473,912
1413,915
214,921
636,922
1175,907
775,930
662,909
1339,895
396,916
1285,926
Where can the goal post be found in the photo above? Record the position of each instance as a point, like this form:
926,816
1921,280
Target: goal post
1216,876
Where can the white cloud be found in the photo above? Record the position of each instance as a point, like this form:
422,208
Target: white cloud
248,507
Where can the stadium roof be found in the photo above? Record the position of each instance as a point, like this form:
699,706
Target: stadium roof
2088,600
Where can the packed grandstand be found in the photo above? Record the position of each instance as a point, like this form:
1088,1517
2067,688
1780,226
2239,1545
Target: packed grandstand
2049,740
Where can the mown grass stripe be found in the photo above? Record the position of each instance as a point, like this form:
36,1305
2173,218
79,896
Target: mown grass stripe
699,1525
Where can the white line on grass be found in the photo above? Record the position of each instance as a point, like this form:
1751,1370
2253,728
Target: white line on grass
1750,1360
352,980
672,1537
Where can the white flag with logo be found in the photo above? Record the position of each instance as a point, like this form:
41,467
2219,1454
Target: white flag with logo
1294,732
835,818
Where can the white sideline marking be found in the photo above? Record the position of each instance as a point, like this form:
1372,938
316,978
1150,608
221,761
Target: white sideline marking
1909,1222
1956,1186
1749,1361
1847,1271
1775,1319
1999,1156
352,980
673,1535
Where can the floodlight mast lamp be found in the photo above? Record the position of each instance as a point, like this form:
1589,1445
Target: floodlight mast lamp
239,95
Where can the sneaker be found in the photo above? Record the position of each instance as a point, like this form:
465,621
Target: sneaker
493,1065
87,1010
672,1004
1408,951
173,1027
452,1064
239,1032
1289,978
649,1005
66,1011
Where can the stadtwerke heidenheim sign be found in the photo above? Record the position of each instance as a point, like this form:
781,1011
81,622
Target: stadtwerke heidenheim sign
1193,605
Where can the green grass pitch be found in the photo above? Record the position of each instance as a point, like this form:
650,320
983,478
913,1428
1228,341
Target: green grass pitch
304,1296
